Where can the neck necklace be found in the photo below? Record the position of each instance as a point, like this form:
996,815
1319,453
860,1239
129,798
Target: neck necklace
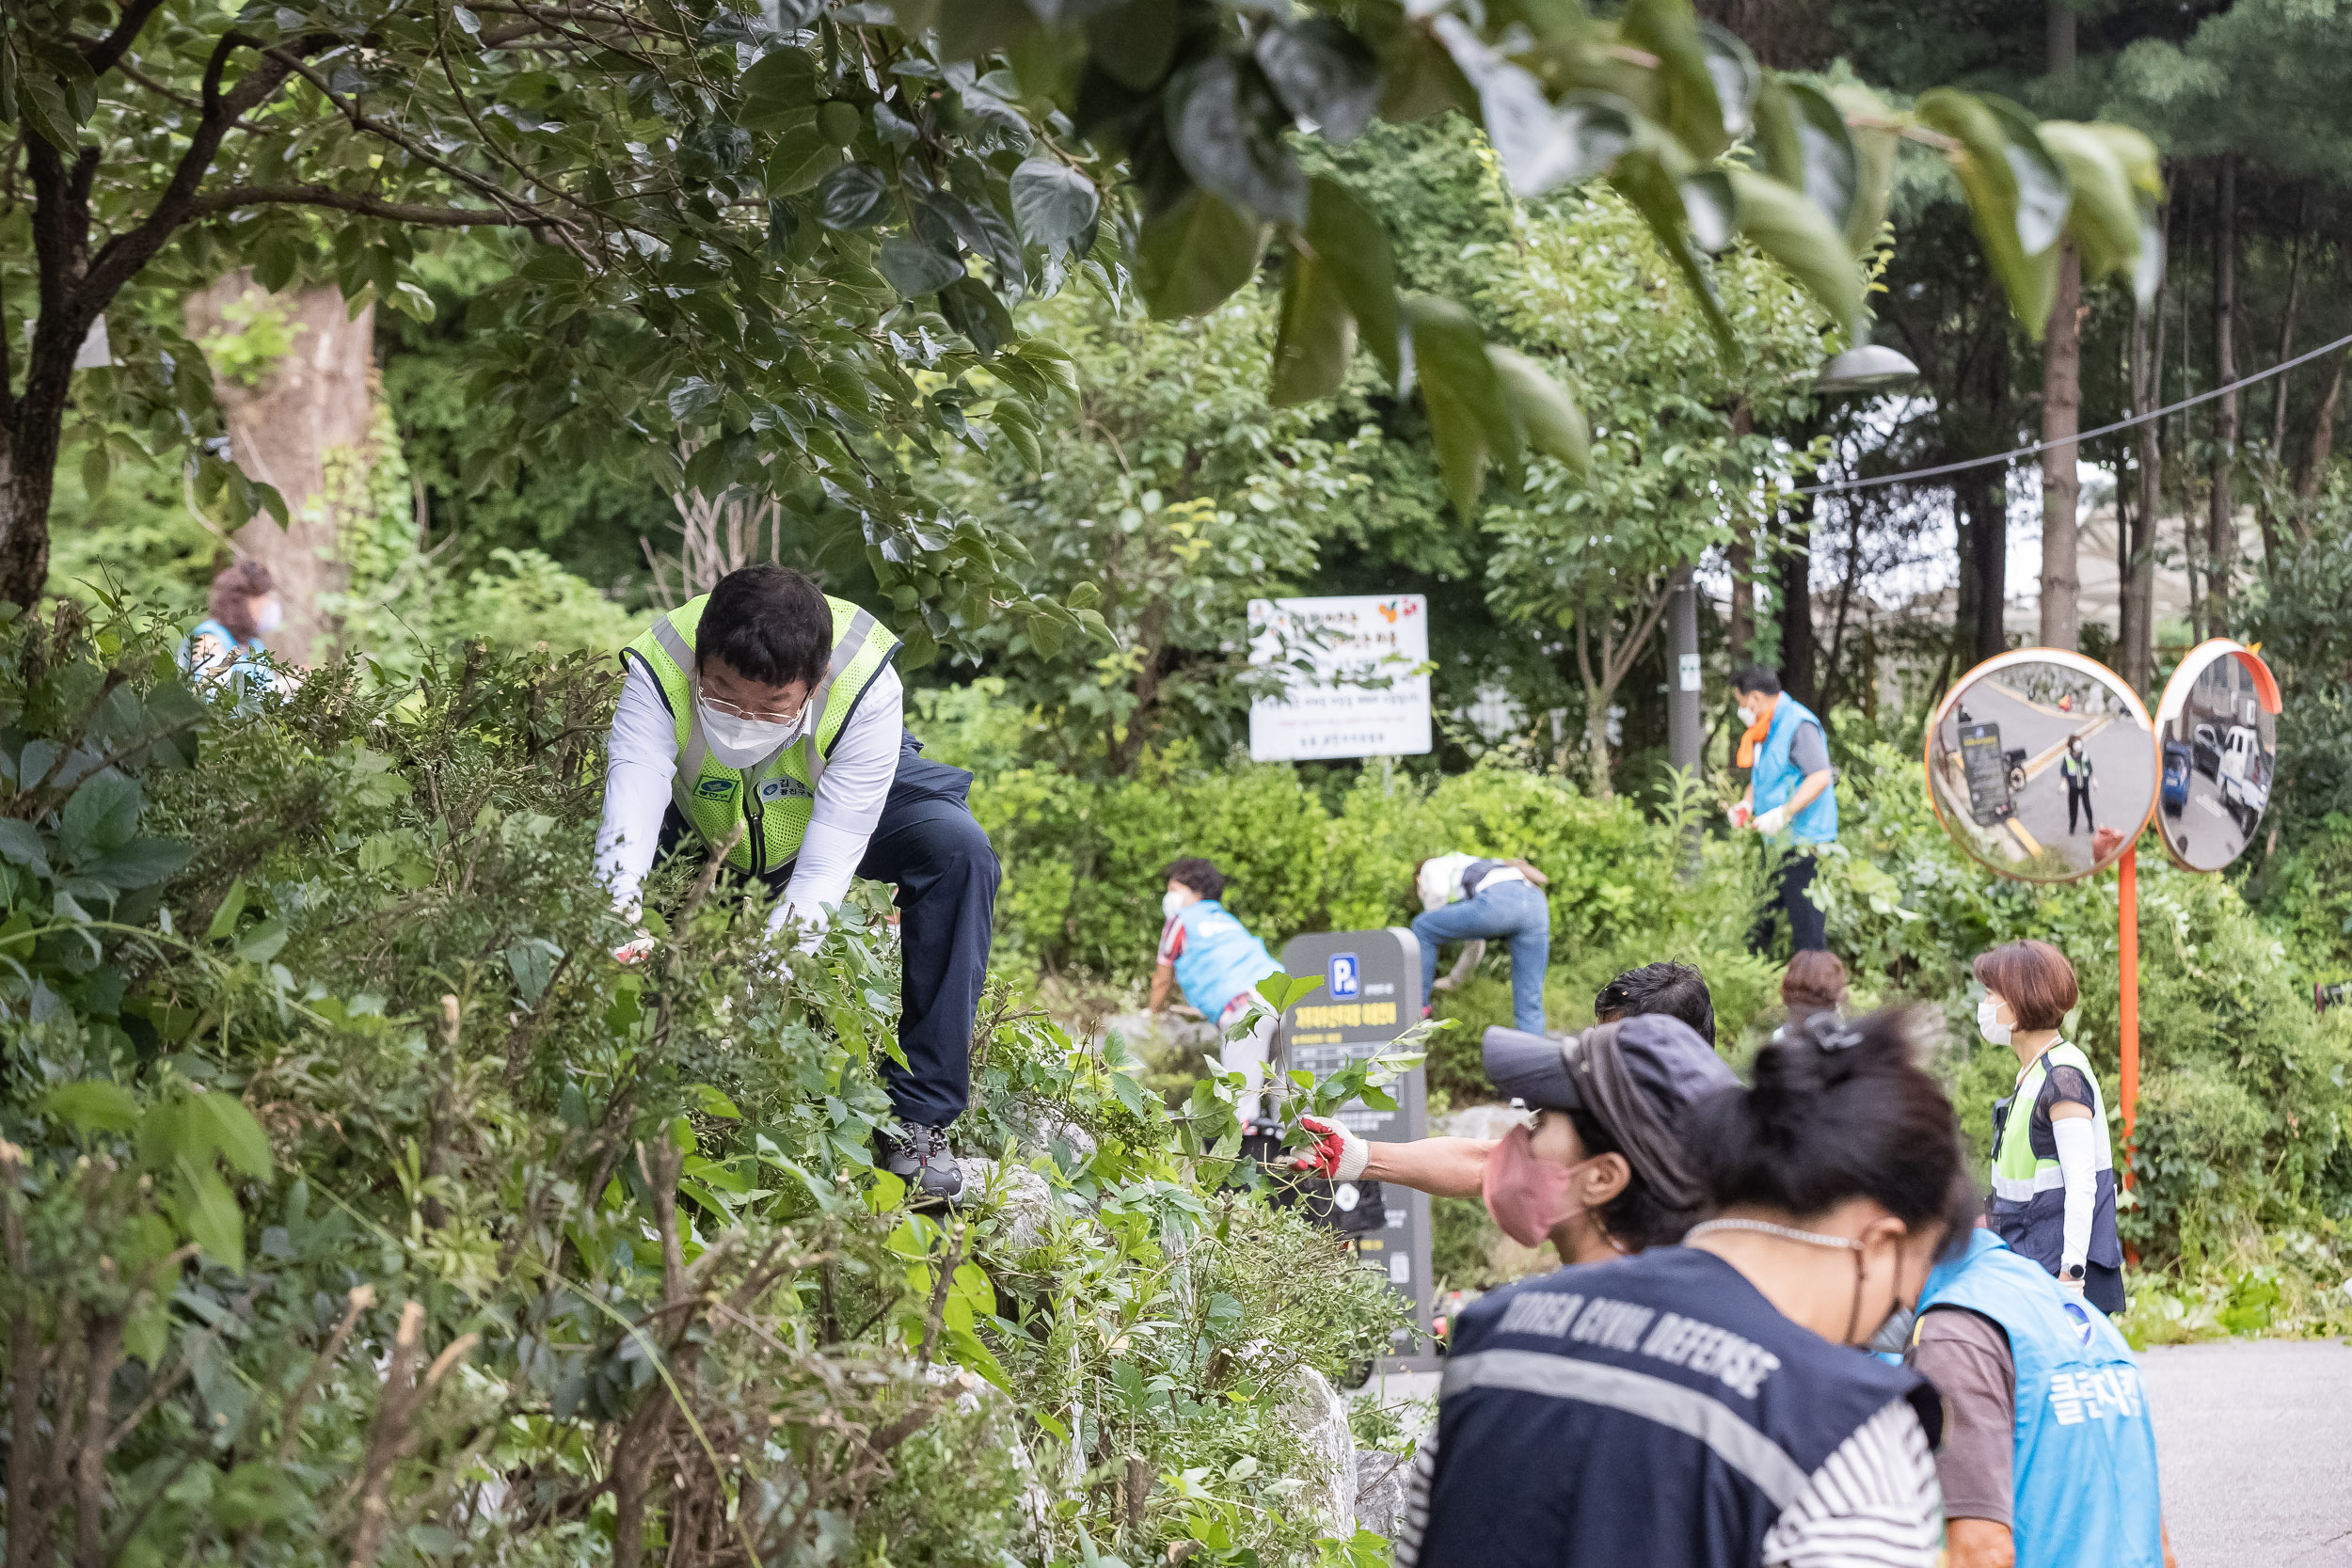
1784,1232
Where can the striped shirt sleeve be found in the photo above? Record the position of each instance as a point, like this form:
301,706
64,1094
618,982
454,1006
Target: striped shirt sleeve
1874,1503
1412,1520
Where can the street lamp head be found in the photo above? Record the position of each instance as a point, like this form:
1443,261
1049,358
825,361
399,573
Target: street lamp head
1866,368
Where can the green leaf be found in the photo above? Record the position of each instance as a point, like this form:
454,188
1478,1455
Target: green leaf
779,82
209,1214
1689,105
915,270
531,962
220,1122
92,1104
1468,417
1807,145
2103,219
1542,147
1282,992
225,918
1799,235
1231,144
20,843
141,863
1052,203
1351,249
1876,142
840,121
973,309
853,198
1731,66
888,1193
103,814
1642,179
2011,195
262,943
1315,335
1192,257
1552,422
711,1102
802,157
1322,72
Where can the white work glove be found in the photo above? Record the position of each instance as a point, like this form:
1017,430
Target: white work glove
635,950
810,924
1335,1153
2073,1286
1769,822
1741,813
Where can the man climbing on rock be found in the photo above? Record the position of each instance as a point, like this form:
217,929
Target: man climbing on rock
768,703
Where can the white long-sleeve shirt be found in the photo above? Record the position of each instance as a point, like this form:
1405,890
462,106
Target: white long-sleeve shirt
641,760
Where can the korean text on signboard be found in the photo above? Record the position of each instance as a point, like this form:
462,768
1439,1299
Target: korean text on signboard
1355,681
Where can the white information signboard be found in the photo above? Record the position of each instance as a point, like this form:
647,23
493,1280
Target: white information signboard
1327,713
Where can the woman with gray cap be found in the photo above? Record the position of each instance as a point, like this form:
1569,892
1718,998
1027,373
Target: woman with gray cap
1702,1406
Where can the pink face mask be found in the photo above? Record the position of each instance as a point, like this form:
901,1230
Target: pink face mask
1528,1194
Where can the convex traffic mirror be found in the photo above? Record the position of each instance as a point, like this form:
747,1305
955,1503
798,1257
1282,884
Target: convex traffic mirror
2042,765
2217,739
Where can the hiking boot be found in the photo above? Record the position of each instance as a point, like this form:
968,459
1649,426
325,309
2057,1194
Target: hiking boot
917,1154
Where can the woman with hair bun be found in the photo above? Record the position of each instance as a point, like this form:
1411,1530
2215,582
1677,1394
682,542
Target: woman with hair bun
2053,1166
1701,1406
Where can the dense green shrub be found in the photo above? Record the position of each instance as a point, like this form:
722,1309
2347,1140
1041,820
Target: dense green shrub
357,1206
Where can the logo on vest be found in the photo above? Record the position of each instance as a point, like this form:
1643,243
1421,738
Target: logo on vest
784,789
716,789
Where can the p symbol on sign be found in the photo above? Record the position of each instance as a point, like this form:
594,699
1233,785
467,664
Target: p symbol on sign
1343,978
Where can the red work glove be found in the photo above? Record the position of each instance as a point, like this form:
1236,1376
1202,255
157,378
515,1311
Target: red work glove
1336,1154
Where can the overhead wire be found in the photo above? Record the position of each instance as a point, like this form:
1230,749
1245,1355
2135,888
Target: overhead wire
1841,486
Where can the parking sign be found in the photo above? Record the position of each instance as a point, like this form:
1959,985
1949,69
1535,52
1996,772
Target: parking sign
1343,978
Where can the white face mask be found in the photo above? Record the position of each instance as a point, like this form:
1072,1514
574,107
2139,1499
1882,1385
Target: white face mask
739,743
1747,716
1989,1023
269,617
1172,901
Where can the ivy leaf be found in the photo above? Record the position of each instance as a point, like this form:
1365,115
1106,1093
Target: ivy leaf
1227,138
780,82
1052,202
915,270
1192,257
1324,73
853,198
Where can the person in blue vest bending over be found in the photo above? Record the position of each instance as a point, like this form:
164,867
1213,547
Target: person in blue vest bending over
1473,897
1212,957
225,648
1701,1405
1792,790
2049,1455
768,705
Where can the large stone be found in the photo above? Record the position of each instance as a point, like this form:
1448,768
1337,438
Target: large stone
1039,1124
1380,1478
1020,1195
1317,1413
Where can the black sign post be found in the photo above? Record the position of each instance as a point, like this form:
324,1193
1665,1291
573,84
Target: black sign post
1370,994
1986,768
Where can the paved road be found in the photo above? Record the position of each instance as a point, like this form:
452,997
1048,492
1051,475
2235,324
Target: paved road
2255,1438
2256,1444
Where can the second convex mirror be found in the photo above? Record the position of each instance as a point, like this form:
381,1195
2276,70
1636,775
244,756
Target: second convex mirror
2042,765
2217,731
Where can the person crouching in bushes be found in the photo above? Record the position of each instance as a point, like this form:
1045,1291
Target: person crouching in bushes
1208,952
2053,1166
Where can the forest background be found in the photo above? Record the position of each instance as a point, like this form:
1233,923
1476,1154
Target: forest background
359,856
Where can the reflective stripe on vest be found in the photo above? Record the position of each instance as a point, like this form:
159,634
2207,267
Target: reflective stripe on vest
2018,1174
775,796
2084,1479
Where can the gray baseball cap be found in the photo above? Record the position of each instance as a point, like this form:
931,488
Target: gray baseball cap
1663,1058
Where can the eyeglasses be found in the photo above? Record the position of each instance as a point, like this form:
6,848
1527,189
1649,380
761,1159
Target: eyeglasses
733,711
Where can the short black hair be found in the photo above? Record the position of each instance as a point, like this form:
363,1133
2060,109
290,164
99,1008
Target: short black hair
1837,1111
1201,875
1637,1218
1756,677
767,623
1674,990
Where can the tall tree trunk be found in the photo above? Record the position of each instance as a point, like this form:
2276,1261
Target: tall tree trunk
1740,634
2060,38
2286,329
1984,494
309,415
2313,472
2221,525
1795,573
2062,485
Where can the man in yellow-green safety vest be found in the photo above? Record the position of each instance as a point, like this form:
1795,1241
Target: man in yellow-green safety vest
767,702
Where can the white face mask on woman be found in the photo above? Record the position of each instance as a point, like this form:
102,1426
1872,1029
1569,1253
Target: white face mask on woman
739,743
1171,902
268,616
1989,1022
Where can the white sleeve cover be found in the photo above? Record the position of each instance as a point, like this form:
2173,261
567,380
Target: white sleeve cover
2078,1166
640,759
850,800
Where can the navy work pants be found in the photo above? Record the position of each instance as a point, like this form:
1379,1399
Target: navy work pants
929,846
1808,928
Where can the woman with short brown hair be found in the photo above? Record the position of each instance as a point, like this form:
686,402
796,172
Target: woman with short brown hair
245,607
2053,1168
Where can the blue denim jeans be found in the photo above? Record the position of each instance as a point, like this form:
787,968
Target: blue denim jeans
1513,912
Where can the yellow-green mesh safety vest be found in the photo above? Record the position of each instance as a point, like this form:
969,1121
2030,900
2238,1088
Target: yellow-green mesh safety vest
774,796
2028,1203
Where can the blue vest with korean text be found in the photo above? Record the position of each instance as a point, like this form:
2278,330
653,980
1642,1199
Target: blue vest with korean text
1222,959
1651,1412
1776,775
2086,1463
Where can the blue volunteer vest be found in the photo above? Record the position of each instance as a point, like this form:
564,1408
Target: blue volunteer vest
1655,1410
2086,1466
1222,959
1776,776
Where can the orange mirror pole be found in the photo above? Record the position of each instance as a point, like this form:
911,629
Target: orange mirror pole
2127,940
